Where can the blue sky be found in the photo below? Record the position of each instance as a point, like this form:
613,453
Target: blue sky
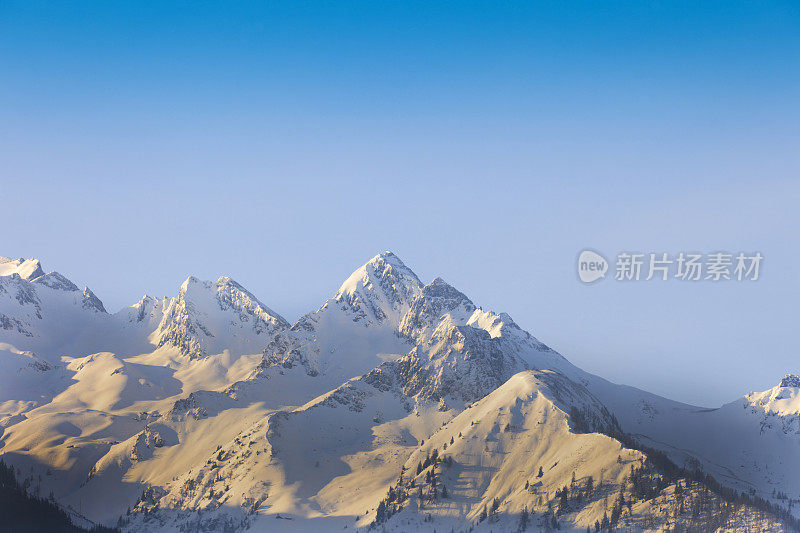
285,143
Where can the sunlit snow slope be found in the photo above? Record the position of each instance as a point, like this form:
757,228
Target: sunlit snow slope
209,410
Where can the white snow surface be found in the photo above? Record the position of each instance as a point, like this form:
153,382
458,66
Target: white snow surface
208,409
28,269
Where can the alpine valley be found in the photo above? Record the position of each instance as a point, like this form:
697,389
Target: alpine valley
398,405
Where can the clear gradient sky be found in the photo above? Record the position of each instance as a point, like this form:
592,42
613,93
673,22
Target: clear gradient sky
285,143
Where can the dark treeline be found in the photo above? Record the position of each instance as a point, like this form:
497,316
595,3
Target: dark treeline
648,480
23,513
673,473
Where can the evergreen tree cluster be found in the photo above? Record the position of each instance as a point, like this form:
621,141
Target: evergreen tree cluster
700,501
24,513
398,495
663,472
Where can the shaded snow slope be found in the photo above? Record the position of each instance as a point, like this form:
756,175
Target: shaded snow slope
208,409
532,448
47,313
210,317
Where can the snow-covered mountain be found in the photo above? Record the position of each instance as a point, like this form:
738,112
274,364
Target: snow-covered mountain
44,312
752,443
357,328
539,453
28,269
209,410
779,404
206,318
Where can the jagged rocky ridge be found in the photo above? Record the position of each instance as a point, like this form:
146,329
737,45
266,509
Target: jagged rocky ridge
192,327
222,413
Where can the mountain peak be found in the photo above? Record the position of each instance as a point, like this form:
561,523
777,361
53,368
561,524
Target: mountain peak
386,260
439,288
190,281
222,281
387,256
54,280
383,286
783,400
383,265
206,313
226,291
28,269
790,380
91,301
435,300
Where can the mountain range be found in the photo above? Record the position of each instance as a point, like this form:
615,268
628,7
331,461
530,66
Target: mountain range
397,404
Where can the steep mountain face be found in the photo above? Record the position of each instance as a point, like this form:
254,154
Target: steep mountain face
355,330
378,292
461,362
27,269
209,411
778,407
435,300
209,317
46,313
461,352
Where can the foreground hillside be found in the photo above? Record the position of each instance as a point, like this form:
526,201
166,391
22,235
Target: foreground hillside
397,404
23,512
539,453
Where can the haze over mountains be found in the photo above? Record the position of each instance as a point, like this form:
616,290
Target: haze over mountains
209,411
